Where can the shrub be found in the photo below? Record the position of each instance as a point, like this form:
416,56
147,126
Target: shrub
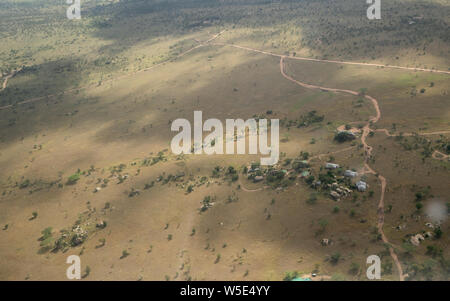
87,271
354,268
124,254
438,232
33,215
337,277
434,251
309,180
343,137
387,268
312,199
289,276
419,206
24,184
73,179
335,258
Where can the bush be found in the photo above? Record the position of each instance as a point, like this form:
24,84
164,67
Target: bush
343,137
33,215
124,254
387,268
438,232
354,268
73,179
337,277
335,258
289,276
419,206
309,180
46,233
312,199
434,251
24,184
87,271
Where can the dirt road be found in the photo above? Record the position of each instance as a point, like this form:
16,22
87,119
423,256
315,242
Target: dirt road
35,99
440,155
412,134
335,62
368,151
365,130
8,77
248,190
208,43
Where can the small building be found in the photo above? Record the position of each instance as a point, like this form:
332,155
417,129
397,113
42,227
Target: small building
417,239
362,186
429,225
350,133
258,179
350,173
301,163
335,195
331,166
305,174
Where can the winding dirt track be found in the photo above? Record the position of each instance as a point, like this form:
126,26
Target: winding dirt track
335,62
412,134
440,156
35,99
332,153
8,77
368,151
208,43
246,189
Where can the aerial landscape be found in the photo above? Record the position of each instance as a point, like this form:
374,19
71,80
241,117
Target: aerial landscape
357,111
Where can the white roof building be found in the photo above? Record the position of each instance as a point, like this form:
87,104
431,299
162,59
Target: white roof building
350,173
362,186
331,166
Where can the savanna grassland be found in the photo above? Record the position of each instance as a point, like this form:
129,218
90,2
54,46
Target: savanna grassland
87,169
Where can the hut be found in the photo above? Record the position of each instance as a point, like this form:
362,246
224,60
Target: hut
350,173
362,186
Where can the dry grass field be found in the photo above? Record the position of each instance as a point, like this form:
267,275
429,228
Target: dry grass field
85,140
